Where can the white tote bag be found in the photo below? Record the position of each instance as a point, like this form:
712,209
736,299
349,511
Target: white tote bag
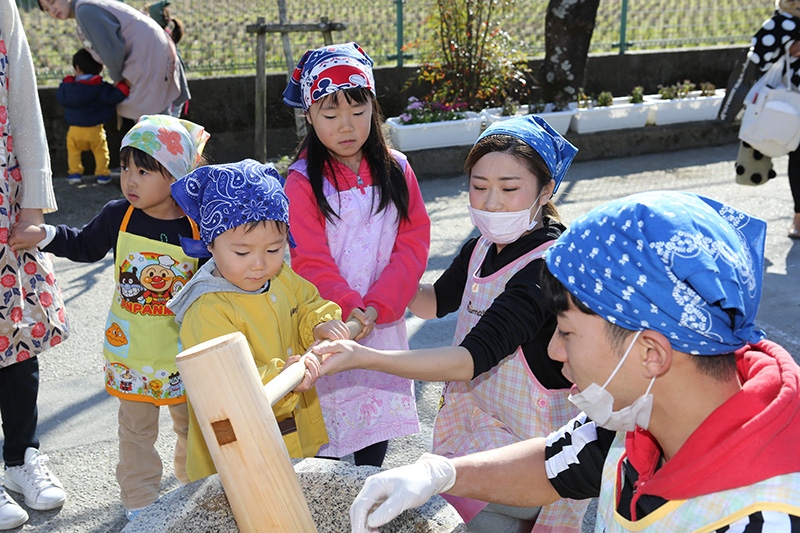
771,121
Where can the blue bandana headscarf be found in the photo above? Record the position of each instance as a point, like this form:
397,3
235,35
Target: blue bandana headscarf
325,70
668,261
556,151
222,197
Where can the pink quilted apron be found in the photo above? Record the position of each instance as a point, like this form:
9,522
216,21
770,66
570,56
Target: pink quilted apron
505,405
362,407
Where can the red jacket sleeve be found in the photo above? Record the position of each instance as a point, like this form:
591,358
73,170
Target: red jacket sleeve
312,258
398,282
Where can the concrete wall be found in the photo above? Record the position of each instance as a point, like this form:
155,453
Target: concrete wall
225,106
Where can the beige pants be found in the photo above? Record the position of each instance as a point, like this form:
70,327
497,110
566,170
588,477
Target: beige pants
139,468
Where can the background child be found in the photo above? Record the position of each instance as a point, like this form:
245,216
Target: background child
501,385
141,336
243,216
88,102
159,12
32,319
363,236
135,50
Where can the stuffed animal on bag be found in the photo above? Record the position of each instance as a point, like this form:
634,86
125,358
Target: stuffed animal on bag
752,167
767,47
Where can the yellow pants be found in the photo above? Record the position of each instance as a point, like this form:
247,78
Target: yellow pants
87,138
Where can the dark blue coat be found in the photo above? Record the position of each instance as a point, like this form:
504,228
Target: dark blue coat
89,102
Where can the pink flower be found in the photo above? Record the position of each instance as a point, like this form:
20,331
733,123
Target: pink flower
16,314
4,344
55,341
46,299
172,140
9,280
30,267
38,330
23,355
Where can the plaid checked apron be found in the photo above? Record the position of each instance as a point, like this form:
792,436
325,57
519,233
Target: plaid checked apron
504,405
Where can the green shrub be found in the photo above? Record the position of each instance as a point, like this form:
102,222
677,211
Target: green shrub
605,99
637,95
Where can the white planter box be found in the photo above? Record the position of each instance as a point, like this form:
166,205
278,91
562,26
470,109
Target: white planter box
691,109
463,132
559,120
620,115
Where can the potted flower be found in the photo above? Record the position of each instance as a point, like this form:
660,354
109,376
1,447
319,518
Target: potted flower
472,62
555,113
605,112
682,102
431,124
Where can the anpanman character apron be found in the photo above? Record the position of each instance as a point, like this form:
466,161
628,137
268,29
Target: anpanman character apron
703,514
141,335
505,405
362,407
32,317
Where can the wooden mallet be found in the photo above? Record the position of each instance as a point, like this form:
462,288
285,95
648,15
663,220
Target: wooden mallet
234,412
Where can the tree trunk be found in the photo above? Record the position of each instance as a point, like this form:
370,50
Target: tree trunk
568,32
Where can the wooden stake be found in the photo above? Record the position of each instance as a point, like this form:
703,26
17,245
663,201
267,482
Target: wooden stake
243,437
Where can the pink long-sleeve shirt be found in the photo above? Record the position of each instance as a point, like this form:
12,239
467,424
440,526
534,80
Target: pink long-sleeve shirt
312,259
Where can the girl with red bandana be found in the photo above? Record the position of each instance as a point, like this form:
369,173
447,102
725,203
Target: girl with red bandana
362,236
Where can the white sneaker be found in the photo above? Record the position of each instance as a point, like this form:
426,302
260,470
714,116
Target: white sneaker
11,514
40,488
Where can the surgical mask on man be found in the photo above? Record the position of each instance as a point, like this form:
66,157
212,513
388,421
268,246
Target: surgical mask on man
504,227
598,403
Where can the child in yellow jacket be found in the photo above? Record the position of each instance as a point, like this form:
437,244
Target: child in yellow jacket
243,217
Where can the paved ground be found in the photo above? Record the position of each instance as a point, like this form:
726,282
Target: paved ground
78,419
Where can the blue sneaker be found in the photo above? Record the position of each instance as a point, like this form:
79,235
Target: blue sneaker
74,179
103,180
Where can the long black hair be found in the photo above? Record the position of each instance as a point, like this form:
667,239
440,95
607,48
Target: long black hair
387,175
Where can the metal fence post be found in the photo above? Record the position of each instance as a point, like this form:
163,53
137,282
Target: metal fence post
399,25
260,150
623,27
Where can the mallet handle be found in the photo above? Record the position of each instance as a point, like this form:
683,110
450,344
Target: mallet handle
291,376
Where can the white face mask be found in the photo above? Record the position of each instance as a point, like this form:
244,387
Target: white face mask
504,227
598,403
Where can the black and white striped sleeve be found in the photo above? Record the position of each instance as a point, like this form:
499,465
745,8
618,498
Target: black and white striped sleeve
574,458
764,522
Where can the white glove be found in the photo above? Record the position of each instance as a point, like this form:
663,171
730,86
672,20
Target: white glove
398,489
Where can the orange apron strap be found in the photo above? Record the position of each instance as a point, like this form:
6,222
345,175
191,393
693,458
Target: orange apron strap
129,212
195,230
126,218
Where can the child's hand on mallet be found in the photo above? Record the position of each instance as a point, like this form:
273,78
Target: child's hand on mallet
312,370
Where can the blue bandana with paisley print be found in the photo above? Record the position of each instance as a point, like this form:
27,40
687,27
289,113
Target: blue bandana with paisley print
678,263
223,197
